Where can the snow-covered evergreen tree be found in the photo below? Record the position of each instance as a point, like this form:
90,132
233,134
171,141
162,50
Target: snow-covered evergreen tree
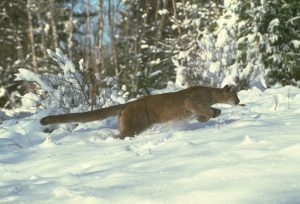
203,51
250,42
268,34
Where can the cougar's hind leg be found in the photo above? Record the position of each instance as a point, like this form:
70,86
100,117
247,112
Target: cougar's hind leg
126,125
201,118
131,123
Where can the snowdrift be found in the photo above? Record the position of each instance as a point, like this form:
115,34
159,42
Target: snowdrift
251,154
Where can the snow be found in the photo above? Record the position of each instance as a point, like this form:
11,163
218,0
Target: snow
274,23
47,28
25,74
296,43
163,12
30,100
251,154
155,62
3,92
154,74
144,46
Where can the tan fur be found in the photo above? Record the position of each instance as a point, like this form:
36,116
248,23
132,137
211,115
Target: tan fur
136,116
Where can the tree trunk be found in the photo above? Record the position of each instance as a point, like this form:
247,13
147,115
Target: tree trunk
53,23
88,33
99,43
70,31
43,42
111,13
175,16
31,36
88,55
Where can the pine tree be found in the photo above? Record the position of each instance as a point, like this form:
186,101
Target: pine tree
268,35
283,47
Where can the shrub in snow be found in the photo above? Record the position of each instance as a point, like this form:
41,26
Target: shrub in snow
66,89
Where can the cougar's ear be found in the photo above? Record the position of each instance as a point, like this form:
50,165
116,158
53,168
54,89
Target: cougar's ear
229,88
226,88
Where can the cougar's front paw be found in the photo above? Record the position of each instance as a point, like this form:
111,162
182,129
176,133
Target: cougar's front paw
217,112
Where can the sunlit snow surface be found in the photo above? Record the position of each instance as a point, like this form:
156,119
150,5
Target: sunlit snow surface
251,154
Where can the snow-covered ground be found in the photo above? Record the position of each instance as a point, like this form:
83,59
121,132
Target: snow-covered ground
251,154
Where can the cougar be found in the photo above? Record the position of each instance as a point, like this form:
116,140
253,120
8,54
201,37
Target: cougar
137,116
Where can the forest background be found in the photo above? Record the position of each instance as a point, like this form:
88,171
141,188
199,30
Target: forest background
136,46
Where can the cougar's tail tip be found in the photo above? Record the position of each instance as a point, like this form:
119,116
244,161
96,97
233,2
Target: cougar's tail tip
43,121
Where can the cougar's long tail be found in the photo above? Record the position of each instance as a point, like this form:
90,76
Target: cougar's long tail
89,116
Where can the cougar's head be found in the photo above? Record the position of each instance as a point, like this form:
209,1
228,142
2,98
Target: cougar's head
230,95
